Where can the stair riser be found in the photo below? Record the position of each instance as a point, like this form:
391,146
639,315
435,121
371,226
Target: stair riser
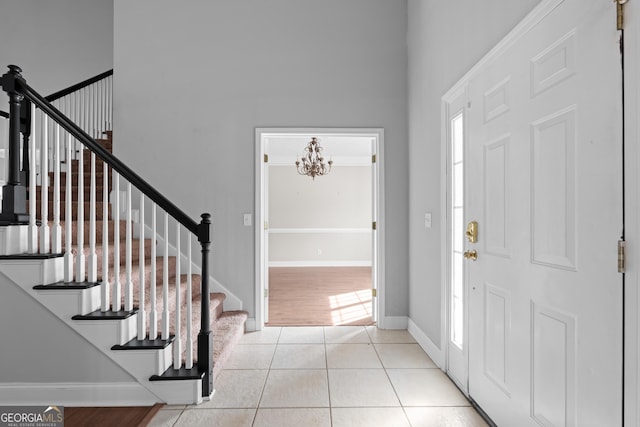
99,234
86,177
74,193
144,364
74,211
135,250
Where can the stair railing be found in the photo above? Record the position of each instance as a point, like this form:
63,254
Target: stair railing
55,135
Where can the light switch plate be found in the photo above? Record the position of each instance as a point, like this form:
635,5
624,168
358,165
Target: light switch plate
427,220
247,220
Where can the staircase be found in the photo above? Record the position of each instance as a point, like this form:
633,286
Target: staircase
151,331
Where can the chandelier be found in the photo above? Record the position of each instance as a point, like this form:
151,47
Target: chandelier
312,163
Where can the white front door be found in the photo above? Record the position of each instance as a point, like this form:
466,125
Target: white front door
544,183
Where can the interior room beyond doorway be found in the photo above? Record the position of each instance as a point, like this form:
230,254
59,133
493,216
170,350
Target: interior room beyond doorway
320,268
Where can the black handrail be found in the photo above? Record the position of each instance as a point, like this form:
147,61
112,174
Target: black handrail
109,158
64,92
67,91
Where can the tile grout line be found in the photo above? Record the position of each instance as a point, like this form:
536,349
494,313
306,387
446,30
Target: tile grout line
266,378
326,367
406,416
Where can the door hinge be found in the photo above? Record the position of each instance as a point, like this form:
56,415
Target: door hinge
620,13
374,292
374,158
266,225
374,225
266,158
266,293
622,261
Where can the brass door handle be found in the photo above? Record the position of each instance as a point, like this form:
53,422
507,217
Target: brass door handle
472,255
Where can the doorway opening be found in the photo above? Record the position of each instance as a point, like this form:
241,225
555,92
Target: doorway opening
318,240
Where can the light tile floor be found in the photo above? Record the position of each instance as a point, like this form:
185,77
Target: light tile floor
328,376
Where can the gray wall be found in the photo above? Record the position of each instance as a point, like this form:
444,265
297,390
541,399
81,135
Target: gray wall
195,78
331,203
445,39
56,42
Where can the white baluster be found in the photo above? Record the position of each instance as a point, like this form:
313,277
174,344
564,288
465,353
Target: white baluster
92,261
80,258
128,289
116,303
45,246
110,100
76,118
165,281
153,314
177,343
56,235
142,317
100,108
106,300
87,110
94,110
68,232
33,228
189,313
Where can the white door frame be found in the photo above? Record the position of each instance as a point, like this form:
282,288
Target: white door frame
261,135
632,207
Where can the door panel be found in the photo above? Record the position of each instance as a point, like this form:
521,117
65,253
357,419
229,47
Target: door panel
544,183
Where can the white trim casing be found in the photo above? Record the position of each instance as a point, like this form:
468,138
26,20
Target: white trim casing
261,134
432,350
399,323
76,394
324,263
632,207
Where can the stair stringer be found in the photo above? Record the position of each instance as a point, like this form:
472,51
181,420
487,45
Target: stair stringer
102,334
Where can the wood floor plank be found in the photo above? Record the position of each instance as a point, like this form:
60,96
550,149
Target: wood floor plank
130,416
319,296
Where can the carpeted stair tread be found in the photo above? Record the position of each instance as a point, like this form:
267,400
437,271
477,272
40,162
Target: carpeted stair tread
227,329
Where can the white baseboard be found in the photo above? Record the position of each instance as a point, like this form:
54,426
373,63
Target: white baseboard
328,263
427,345
76,394
250,325
393,322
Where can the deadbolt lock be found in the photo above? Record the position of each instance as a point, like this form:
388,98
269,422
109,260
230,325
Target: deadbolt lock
472,232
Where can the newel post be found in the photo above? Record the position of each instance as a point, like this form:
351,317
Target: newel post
14,193
25,129
205,337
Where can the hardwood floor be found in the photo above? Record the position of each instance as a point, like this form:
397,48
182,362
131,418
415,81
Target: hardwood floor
130,416
319,296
